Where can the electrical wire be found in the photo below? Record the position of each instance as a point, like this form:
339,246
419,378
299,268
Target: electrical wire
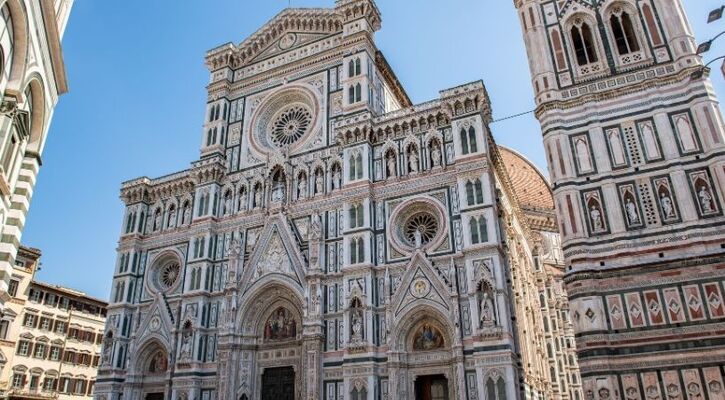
513,116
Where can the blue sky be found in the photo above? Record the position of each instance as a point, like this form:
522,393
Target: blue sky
137,96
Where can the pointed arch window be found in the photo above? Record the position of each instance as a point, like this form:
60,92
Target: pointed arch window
351,95
474,192
358,92
357,250
351,68
479,233
357,216
624,34
358,69
584,46
468,141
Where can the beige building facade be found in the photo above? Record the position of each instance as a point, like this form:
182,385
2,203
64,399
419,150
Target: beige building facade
32,77
336,241
50,337
636,150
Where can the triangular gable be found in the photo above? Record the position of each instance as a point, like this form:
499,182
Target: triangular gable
315,21
420,282
276,253
156,323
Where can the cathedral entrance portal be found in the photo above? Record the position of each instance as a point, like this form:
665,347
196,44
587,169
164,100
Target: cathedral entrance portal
431,387
278,384
155,396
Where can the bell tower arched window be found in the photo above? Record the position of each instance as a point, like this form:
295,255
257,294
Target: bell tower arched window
468,141
624,35
583,40
474,192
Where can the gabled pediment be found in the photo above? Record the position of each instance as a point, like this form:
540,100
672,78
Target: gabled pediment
276,254
420,283
291,28
157,322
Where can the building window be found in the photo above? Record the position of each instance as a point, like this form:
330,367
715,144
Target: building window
468,141
357,250
474,192
583,41
29,320
479,233
49,384
60,327
4,326
54,353
623,32
18,380
45,323
357,216
34,381
356,166
13,288
39,351
35,295
23,348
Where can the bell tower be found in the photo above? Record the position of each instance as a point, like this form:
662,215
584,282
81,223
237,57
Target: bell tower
635,147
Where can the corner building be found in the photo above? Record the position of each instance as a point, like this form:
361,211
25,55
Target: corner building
636,153
333,241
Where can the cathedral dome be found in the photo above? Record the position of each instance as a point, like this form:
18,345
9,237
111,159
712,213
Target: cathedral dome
531,187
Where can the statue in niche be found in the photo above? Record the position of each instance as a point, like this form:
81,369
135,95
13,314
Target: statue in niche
186,216
157,220
705,199
242,200
107,347
428,337
667,208
632,213
418,239
435,154
412,160
319,182
186,339
227,204
356,325
336,178
596,216
302,187
277,191
390,164
172,217
486,308
258,197
281,325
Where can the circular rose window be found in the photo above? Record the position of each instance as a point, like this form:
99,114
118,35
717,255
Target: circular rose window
164,275
286,119
422,227
290,125
169,274
418,223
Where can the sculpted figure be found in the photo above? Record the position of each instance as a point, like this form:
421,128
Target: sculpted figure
435,154
632,213
705,199
596,219
667,207
413,161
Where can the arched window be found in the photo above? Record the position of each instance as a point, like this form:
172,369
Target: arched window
479,233
351,69
357,216
558,50
129,222
474,192
224,115
358,69
468,141
357,250
359,394
351,95
216,112
584,48
652,27
358,92
624,35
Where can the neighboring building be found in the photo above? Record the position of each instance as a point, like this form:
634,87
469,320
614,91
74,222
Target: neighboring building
333,241
32,77
636,152
50,337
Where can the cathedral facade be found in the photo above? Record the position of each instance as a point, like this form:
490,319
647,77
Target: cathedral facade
335,241
636,151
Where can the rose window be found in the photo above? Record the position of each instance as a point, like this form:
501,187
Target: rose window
169,274
423,225
290,125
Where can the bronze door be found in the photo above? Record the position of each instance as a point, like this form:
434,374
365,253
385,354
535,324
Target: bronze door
278,384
